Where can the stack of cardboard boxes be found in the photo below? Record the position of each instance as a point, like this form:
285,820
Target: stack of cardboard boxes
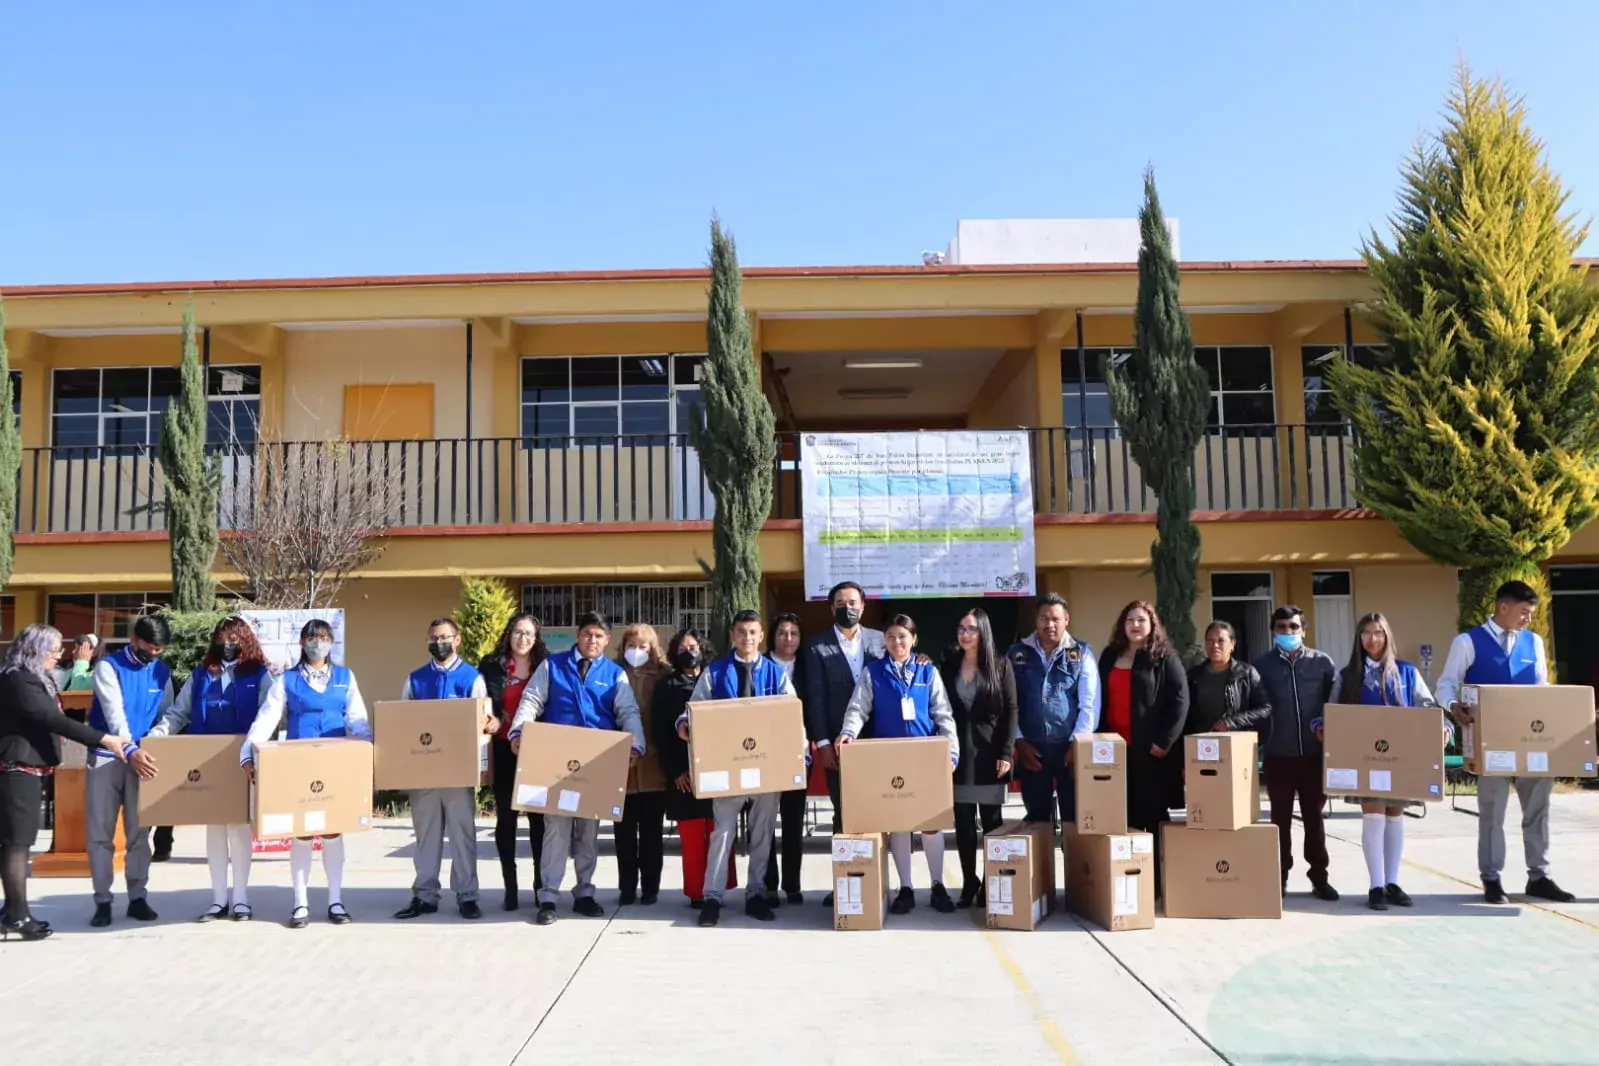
889,786
1219,862
1110,872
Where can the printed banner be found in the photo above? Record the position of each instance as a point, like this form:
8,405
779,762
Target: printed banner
279,633
936,513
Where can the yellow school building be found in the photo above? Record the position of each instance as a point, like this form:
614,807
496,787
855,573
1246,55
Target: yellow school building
534,427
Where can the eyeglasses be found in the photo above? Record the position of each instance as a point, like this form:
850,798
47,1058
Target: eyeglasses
967,629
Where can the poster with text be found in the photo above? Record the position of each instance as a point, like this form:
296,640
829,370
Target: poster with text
934,513
279,633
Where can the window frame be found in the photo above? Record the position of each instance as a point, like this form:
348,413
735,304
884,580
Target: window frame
1084,388
671,362
149,415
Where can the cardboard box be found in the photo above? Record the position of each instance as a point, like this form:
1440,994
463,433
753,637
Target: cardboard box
1529,730
1219,780
746,747
200,782
430,744
860,881
571,770
311,788
1100,780
1384,752
1019,871
1110,880
897,786
1207,874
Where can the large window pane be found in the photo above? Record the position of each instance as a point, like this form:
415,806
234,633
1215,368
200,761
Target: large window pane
118,611
77,431
546,421
1330,583
596,378
545,380
644,377
77,392
1091,410
231,422
125,390
594,421
689,410
73,615
653,418
1206,358
1246,369
1235,586
1319,409
1248,408
124,436
687,369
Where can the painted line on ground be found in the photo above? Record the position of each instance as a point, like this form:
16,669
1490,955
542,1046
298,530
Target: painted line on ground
1047,1026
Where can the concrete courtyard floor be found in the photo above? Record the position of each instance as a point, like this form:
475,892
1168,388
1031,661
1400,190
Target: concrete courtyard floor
1451,981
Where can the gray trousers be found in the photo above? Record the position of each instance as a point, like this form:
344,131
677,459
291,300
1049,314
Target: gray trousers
1493,796
435,814
763,823
577,838
113,787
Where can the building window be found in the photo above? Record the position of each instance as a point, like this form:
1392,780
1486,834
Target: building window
1083,390
108,615
1334,595
1315,358
667,607
594,397
1240,379
8,619
1244,601
119,409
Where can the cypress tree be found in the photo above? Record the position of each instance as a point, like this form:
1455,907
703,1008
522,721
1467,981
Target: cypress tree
10,461
191,484
1476,428
737,444
1161,397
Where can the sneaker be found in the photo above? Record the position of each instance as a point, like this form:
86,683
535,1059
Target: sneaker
415,909
757,907
470,910
1399,897
1377,899
588,907
903,903
102,915
337,915
1493,890
300,917
941,901
709,913
1324,892
139,910
1544,888
546,914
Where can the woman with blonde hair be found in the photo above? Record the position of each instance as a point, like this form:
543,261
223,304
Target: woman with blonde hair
640,833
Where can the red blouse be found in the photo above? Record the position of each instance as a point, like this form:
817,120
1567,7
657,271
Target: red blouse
1119,704
510,700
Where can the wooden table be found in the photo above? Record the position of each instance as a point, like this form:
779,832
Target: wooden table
69,849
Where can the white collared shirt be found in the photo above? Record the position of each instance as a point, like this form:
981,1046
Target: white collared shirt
854,650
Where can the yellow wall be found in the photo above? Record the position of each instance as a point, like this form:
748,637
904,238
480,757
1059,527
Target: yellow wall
1420,602
386,624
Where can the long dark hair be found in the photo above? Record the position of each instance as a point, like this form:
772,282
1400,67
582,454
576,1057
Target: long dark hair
1158,646
1355,671
502,650
314,627
988,659
675,645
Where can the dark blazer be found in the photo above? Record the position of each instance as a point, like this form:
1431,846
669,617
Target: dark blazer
987,729
1160,700
1247,706
32,723
670,700
828,683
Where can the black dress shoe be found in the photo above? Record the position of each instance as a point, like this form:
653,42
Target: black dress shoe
588,907
627,899
338,915
546,914
470,910
212,913
903,903
757,908
102,915
300,917
941,901
696,904
1544,888
1324,892
710,913
512,899
27,929
1398,896
160,856
139,910
1493,890
1377,899
968,897
415,909
773,899
649,899
795,898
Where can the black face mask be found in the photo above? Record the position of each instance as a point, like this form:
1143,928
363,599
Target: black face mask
140,656
686,660
847,617
441,650
227,650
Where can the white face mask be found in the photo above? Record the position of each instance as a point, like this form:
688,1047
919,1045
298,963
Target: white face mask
636,657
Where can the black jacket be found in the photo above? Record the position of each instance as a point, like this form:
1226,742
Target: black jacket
32,723
987,729
670,701
1160,700
1245,699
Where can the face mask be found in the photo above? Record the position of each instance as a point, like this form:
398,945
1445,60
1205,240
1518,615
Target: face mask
847,617
686,660
227,650
317,650
441,649
636,657
1289,641
140,656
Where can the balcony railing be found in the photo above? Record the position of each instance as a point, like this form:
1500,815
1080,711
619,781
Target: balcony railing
606,480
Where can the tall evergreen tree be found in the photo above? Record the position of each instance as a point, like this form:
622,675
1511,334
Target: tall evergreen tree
737,444
1161,398
10,460
1476,428
191,483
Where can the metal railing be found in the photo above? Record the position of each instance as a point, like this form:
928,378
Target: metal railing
612,479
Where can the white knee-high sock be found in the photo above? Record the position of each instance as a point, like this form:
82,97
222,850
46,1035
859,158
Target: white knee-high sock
1393,847
333,867
1371,844
899,846
239,856
300,869
216,856
933,848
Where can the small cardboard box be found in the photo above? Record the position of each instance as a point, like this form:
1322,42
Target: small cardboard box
746,747
430,744
1207,874
1019,871
571,770
1384,752
1100,780
1110,880
1529,730
860,881
199,783
897,786
1220,780
311,788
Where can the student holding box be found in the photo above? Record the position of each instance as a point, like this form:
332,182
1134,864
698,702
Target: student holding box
506,671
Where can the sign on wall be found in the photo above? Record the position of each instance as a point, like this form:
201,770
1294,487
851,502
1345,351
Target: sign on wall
279,633
932,513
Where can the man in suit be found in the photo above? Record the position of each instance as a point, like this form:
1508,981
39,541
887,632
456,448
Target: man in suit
832,664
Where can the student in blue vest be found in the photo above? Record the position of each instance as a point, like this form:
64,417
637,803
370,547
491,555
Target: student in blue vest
223,697
1503,651
579,687
132,690
437,813
319,698
1057,697
1375,676
902,695
742,672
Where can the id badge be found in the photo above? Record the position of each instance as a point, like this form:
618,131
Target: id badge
907,708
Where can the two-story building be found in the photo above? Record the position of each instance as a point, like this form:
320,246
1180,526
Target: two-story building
535,427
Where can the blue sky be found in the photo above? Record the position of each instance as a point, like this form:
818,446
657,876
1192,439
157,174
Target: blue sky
193,141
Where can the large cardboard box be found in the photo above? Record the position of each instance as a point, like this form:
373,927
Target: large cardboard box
311,788
1207,874
430,744
1110,880
199,783
1529,730
1384,752
860,881
746,747
571,770
1220,780
896,786
1019,871
1100,780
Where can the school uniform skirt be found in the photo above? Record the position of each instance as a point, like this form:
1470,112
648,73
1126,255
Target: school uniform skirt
21,795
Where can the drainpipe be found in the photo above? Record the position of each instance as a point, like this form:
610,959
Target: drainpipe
469,422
